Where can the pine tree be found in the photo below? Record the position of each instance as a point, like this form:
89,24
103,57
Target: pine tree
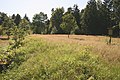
17,19
25,17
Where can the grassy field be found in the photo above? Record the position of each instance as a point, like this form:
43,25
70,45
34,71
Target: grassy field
56,57
98,43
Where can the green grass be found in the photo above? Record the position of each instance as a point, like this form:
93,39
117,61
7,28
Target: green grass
38,59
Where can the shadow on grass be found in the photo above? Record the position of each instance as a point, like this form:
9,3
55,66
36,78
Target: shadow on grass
80,39
3,38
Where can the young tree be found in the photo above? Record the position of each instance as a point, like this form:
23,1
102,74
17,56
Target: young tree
69,24
7,25
18,34
25,25
2,17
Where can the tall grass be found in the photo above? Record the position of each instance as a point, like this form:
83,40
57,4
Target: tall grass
38,59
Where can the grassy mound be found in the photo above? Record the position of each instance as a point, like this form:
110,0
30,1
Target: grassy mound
38,59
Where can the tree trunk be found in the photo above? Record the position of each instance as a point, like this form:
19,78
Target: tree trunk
119,29
8,37
68,35
110,40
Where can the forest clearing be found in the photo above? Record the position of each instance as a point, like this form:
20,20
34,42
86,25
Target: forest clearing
60,40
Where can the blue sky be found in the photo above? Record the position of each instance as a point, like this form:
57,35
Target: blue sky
31,7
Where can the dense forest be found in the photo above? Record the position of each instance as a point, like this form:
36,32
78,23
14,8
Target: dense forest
95,19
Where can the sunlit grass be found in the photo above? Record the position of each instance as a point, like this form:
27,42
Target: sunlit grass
43,58
110,52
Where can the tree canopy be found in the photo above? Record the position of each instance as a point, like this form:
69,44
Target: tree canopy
69,24
56,20
94,19
39,23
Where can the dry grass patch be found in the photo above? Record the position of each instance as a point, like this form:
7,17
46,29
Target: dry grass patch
3,43
99,43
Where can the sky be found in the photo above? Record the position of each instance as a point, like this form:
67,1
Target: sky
32,7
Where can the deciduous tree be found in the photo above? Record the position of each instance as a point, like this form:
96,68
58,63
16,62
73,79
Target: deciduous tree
7,25
69,24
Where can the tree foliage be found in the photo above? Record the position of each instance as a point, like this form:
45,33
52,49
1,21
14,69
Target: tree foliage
95,19
89,18
2,17
17,19
69,24
116,8
18,36
76,14
25,17
7,25
39,23
56,20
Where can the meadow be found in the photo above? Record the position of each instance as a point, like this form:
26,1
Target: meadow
57,57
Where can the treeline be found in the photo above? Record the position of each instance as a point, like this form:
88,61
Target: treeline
14,25
95,19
